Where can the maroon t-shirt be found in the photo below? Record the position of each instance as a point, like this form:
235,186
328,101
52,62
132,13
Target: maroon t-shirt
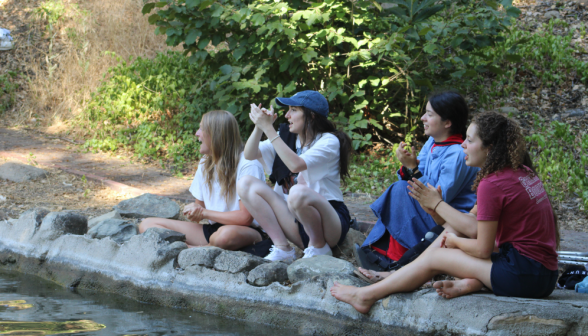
518,201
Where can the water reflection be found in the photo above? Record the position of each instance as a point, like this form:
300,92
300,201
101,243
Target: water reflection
30,301
15,304
48,328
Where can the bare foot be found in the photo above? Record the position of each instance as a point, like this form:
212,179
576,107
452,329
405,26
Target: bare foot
373,275
452,289
350,294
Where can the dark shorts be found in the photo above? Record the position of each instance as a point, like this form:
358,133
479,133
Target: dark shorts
260,249
344,217
513,274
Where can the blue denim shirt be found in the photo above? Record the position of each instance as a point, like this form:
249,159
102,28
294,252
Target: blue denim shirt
406,221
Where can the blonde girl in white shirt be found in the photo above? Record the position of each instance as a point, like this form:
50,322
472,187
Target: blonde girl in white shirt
222,166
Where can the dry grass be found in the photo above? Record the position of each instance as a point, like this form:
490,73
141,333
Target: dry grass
76,61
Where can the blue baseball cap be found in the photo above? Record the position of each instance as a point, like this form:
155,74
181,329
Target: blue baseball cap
312,100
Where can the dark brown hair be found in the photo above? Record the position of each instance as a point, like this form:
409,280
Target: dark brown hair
315,124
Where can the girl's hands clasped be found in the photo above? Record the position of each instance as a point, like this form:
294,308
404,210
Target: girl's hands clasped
262,117
408,159
427,196
447,240
194,212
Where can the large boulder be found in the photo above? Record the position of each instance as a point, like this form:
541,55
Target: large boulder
307,268
99,219
19,172
56,224
265,274
149,205
237,262
199,256
117,229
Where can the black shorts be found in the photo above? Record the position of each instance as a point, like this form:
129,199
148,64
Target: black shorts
344,217
260,249
514,274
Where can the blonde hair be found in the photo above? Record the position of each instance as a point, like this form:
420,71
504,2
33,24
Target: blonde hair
225,149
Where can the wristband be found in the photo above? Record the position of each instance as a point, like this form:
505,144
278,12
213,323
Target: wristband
272,140
435,208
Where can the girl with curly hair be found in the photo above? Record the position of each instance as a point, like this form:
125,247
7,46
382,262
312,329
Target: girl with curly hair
228,223
514,212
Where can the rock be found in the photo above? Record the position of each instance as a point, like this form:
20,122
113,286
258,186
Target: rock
552,14
265,274
579,87
201,256
307,268
237,261
96,220
19,172
170,251
346,247
56,224
119,230
576,112
165,235
149,205
508,110
556,117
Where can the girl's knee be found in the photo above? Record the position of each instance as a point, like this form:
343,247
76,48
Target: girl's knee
298,197
146,224
246,184
225,239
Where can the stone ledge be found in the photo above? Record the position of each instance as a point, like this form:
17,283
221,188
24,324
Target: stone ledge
143,269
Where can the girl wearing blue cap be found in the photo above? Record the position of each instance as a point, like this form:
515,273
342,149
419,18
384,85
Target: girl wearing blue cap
307,160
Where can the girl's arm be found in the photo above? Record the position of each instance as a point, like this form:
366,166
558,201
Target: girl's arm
237,217
464,223
251,150
265,122
431,201
481,247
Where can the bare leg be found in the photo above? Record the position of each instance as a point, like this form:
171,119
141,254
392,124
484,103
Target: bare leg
433,247
234,237
193,231
270,210
448,261
451,289
320,221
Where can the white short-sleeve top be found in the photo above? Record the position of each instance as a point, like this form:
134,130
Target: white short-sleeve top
214,200
322,162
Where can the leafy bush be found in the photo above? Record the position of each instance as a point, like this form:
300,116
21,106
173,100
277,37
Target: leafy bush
151,106
373,62
543,55
50,10
560,156
7,91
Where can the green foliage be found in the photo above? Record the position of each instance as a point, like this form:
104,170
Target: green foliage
560,155
7,91
151,106
374,172
50,10
543,55
373,63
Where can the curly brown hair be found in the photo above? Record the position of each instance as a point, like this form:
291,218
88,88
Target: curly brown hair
505,142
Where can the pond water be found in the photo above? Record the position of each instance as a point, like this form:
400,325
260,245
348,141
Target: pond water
32,306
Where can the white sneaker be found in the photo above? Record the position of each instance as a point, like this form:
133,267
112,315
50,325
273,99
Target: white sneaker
277,254
312,251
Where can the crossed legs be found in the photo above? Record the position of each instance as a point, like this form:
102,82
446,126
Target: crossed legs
228,237
474,272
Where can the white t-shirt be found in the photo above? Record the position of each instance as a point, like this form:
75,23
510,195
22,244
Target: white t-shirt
322,162
214,200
